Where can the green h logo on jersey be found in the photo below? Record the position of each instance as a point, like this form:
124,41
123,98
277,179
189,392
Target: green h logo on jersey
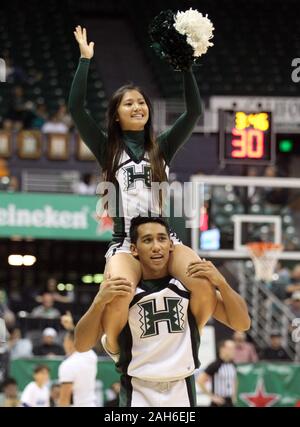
150,317
131,176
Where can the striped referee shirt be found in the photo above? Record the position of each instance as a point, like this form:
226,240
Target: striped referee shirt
223,376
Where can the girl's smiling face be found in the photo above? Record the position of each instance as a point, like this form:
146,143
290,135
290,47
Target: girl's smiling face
133,111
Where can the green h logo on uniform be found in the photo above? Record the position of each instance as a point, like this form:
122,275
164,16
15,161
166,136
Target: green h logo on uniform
133,176
150,317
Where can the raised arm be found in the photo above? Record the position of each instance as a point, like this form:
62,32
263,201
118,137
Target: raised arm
172,139
90,133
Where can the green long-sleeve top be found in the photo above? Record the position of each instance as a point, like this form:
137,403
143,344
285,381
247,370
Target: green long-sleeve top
96,139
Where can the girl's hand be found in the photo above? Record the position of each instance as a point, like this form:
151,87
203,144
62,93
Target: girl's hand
86,50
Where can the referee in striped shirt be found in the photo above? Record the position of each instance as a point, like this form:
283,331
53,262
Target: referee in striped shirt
222,374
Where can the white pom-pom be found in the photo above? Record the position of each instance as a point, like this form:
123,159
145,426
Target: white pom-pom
197,28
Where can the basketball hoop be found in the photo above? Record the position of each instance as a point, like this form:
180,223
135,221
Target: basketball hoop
264,256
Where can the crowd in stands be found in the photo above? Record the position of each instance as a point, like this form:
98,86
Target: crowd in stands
24,114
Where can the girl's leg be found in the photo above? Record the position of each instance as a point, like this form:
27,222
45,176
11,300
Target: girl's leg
116,313
178,263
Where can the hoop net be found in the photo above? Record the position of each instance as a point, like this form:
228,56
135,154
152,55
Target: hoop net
264,256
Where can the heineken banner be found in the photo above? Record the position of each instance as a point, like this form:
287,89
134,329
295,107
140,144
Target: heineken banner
22,370
269,384
52,216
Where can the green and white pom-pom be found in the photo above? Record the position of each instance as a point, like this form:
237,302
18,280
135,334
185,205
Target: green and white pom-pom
197,28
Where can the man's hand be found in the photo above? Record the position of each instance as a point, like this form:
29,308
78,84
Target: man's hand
111,288
206,269
86,49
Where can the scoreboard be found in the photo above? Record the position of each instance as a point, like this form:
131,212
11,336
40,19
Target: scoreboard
245,137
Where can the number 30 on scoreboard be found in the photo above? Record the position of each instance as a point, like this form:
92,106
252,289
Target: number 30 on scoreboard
246,137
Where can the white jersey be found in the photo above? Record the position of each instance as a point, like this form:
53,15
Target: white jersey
161,339
35,396
80,369
136,194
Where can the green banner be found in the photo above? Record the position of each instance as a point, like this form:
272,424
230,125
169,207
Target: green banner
259,385
269,384
52,216
22,370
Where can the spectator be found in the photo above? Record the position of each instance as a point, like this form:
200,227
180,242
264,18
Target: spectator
77,375
48,346
244,351
67,321
10,398
40,116
64,116
54,395
275,351
54,125
222,374
86,185
19,347
36,393
46,309
51,288
295,304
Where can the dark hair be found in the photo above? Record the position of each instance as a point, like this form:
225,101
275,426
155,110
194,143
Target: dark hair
40,368
115,144
139,220
8,381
